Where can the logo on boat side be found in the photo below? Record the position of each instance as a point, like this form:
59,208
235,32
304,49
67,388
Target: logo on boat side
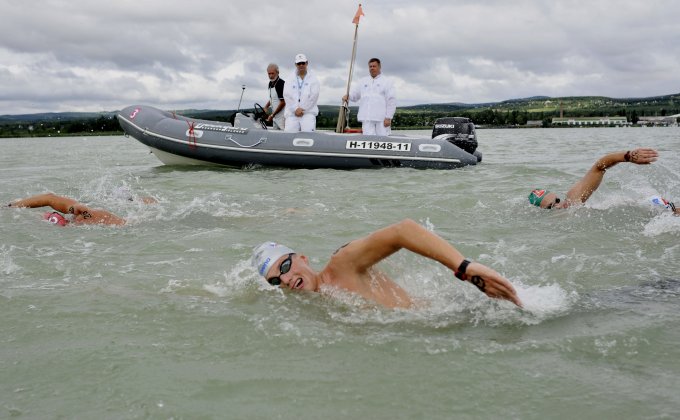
193,133
221,128
134,113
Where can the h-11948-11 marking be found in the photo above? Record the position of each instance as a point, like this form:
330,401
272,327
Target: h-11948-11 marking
377,145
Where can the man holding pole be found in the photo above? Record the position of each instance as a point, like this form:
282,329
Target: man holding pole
377,101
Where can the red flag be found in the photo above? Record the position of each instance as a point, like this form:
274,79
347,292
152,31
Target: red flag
359,14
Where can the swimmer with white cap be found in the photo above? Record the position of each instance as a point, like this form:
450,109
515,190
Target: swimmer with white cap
352,267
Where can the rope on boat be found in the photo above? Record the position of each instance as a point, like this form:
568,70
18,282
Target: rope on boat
262,140
192,135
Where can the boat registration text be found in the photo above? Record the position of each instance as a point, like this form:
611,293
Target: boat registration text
377,145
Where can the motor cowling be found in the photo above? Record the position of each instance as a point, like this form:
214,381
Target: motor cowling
458,130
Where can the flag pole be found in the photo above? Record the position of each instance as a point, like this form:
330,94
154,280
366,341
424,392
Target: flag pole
342,115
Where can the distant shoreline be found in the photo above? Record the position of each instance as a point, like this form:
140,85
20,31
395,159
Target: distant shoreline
486,127
534,112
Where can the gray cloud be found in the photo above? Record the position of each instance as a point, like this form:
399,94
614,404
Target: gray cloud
80,55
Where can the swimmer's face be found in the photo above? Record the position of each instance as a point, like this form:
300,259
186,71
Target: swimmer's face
291,271
552,201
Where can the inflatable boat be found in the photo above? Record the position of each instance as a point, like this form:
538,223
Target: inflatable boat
247,142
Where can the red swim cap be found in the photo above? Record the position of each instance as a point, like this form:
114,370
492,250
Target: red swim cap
55,218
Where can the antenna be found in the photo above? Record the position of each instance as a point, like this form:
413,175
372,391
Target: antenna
243,89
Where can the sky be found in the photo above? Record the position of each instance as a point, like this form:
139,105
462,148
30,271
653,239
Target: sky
93,56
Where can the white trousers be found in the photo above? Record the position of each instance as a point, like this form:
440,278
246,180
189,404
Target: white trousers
307,122
278,122
375,128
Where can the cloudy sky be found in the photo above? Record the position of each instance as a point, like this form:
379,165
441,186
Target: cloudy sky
85,55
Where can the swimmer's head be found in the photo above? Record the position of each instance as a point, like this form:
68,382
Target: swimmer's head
122,193
544,199
55,218
267,254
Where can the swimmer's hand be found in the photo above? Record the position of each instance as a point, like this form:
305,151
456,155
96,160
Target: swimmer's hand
641,156
489,282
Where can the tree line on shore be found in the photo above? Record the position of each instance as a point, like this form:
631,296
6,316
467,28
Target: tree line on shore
511,113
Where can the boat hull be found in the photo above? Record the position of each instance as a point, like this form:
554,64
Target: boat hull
177,140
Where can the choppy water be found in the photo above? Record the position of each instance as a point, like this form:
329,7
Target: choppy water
164,318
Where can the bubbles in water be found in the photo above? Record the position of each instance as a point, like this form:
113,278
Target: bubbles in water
7,265
664,223
543,302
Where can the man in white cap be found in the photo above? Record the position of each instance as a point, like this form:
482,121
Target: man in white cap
301,94
352,267
378,101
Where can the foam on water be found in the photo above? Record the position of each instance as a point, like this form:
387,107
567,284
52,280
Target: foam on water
7,266
664,223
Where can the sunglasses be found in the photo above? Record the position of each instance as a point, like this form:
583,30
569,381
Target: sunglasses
301,64
283,269
557,200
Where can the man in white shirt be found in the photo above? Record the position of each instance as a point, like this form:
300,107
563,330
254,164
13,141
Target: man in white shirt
301,94
377,98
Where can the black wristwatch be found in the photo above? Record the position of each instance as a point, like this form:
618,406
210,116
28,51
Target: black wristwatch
476,280
460,273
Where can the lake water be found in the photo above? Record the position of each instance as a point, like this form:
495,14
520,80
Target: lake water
164,318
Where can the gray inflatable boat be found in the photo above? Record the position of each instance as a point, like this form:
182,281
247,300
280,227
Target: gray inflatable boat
178,140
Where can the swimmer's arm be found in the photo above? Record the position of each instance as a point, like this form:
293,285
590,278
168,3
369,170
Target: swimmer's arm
586,186
366,252
57,202
69,205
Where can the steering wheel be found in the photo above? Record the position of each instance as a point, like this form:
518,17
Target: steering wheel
260,115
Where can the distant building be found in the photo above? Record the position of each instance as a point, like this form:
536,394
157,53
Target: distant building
668,121
591,121
535,123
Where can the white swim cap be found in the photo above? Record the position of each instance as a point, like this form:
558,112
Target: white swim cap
266,254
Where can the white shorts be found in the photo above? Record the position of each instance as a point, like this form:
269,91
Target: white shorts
307,122
375,128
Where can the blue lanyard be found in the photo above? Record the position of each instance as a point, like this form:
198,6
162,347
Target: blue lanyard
300,82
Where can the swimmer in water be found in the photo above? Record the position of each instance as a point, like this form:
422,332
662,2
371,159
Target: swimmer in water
352,267
586,186
80,214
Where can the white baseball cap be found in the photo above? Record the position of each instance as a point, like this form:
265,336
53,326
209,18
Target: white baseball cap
300,58
266,254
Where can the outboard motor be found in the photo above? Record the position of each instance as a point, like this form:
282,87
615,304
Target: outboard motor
458,130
